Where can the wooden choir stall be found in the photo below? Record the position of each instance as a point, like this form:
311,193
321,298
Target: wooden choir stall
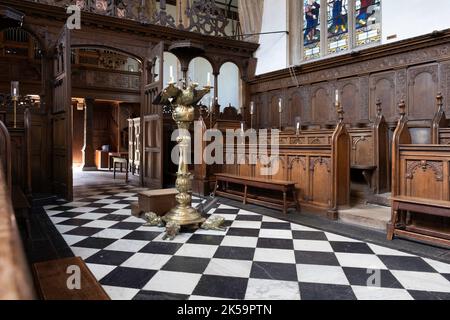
421,180
315,164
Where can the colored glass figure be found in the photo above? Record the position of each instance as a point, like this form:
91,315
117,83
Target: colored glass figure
338,38
311,29
368,21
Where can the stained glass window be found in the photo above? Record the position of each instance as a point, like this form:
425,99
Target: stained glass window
337,15
311,29
367,21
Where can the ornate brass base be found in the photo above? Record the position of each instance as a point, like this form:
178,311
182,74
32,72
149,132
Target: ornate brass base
184,216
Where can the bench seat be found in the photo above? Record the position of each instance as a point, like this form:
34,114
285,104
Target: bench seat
284,187
398,226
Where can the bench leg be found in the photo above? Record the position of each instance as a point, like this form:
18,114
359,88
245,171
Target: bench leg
126,175
245,194
284,202
393,223
114,170
297,204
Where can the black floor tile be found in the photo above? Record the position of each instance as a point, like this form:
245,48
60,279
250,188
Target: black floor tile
186,264
167,248
364,277
114,258
221,287
206,239
351,247
406,263
275,243
315,291
235,253
153,295
242,232
94,243
316,258
128,277
309,235
142,235
274,271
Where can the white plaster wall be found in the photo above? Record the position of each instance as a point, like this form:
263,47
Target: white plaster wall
411,18
171,60
273,51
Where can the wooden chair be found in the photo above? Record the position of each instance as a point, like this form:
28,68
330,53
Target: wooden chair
123,163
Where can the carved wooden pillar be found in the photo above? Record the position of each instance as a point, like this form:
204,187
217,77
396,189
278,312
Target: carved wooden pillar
88,148
216,94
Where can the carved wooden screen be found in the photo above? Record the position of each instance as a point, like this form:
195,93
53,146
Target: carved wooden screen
152,120
62,117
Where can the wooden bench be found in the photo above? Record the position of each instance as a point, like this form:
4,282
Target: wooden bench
285,187
51,279
401,205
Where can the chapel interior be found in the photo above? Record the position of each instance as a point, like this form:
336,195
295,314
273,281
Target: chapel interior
329,117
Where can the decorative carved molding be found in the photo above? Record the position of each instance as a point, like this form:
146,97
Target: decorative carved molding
298,159
314,161
437,168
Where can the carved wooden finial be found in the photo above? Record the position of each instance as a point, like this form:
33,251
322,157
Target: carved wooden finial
402,107
440,101
379,109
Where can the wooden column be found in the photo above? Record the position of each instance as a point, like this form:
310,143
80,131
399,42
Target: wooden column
216,94
88,147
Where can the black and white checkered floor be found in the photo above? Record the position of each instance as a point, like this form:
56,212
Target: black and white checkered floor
258,257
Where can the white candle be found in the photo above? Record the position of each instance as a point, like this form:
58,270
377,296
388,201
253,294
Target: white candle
337,96
171,74
209,79
298,125
252,108
280,105
242,127
15,92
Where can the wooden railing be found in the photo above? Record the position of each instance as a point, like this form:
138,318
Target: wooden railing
15,278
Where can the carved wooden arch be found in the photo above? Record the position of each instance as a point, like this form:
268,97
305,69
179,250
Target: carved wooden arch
41,36
139,53
105,47
314,161
233,61
299,159
437,168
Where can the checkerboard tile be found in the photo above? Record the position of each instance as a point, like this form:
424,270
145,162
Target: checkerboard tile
257,257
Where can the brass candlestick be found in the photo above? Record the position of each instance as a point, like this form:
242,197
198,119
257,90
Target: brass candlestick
183,102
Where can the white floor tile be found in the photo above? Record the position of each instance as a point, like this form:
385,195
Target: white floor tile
197,251
355,260
439,266
422,281
118,293
246,224
100,270
386,251
321,274
274,255
101,224
127,245
91,216
383,294
173,282
241,242
229,268
312,245
84,253
275,234
70,240
112,234
259,289
147,261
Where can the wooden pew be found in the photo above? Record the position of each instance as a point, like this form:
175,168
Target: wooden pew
420,187
321,172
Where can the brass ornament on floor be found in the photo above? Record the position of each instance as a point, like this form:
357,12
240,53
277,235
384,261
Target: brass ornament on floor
183,103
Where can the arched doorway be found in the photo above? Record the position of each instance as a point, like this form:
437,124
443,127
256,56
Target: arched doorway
230,86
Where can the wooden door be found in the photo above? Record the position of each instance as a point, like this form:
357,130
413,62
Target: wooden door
152,120
61,117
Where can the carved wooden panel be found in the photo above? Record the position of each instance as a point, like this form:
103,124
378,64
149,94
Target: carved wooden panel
382,87
298,172
320,105
362,153
424,179
320,180
422,89
350,100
